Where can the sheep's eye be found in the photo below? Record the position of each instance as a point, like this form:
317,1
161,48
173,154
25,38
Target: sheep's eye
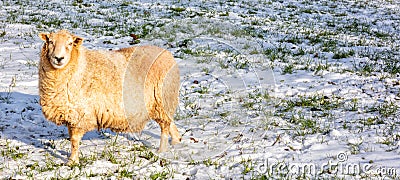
51,42
70,44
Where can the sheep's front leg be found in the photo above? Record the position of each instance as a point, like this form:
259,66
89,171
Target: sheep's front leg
75,136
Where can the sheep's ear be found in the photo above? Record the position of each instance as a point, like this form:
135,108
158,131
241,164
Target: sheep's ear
44,36
78,40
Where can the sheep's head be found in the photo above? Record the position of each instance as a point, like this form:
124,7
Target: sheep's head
59,47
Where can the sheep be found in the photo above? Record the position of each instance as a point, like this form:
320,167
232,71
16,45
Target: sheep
99,89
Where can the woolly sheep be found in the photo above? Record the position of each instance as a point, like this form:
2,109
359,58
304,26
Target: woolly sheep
97,89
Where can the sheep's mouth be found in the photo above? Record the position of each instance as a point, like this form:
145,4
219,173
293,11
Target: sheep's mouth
57,64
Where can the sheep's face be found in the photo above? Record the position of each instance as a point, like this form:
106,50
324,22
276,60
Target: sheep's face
59,47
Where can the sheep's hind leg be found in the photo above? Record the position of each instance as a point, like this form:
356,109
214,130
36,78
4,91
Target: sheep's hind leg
173,131
164,135
75,136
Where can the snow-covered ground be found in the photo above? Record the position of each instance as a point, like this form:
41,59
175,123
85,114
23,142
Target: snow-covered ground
269,89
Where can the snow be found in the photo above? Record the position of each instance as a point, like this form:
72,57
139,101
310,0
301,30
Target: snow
267,88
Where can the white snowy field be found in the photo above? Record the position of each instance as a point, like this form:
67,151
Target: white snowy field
269,89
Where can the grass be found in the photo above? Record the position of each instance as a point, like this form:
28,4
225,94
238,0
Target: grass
388,109
247,166
4,61
315,102
51,164
289,69
343,54
7,97
12,152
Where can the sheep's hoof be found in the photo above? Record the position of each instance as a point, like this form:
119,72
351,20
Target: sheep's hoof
162,149
72,163
175,141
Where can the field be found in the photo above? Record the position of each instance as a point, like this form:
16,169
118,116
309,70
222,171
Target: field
269,89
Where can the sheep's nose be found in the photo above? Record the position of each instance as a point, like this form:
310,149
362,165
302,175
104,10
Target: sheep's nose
59,59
